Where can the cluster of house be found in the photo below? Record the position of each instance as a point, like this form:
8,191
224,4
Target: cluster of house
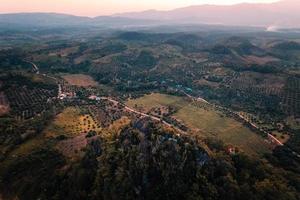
94,97
67,95
70,95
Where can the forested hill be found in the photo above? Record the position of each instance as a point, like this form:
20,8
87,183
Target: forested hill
144,161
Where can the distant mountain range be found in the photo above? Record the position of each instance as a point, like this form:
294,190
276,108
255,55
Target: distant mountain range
282,14
55,20
285,13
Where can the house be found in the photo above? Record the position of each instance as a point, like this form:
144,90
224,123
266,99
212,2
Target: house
231,150
94,97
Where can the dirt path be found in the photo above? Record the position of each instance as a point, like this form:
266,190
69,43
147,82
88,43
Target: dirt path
271,137
145,115
34,66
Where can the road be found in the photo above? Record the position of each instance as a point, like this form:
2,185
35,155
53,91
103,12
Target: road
274,139
37,71
144,114
164,122
34,66
196,99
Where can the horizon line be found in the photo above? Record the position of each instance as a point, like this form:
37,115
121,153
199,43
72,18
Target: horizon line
135,11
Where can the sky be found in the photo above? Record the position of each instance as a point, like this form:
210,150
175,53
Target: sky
105,7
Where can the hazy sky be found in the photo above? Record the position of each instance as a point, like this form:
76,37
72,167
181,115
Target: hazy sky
103,7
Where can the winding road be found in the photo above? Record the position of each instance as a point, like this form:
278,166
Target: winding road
144,114
199,99
185,133
34,66
271,137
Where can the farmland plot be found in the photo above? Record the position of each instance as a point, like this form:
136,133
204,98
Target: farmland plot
26,102
80,80
206,122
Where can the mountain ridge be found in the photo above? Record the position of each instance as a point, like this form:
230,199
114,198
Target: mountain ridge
281,14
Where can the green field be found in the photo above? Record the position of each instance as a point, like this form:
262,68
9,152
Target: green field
207,121
154,100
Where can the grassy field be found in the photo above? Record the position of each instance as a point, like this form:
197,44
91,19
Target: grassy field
28,146
80,80
71,122
281,136
155,100
207,121
293,123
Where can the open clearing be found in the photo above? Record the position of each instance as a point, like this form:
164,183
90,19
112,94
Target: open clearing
282,137
293,122
75,123
22,150
4,105
156,100
260,60
80,80
206,121
71,122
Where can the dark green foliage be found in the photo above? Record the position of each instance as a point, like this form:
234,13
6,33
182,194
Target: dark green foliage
287,46
145,162
91,134
144,165
111,49
132,36
32,176
77,182
26,97
286,158
246,48
188,42
19,80
220,49
12,59
144,60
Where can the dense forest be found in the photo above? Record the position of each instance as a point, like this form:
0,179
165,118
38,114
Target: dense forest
143,161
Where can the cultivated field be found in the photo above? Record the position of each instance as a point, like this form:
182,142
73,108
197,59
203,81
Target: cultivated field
26,103
213,123
291,97
80,80
153,100
207,121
